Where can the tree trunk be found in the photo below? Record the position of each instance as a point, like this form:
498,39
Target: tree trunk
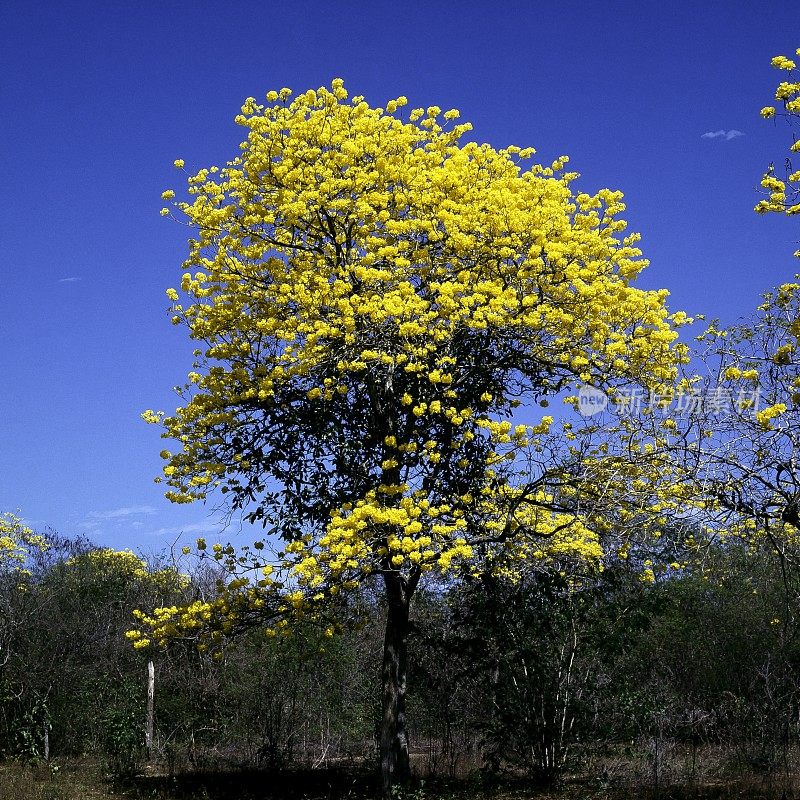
395,766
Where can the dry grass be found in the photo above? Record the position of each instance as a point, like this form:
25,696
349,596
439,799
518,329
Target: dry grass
79,781
85,780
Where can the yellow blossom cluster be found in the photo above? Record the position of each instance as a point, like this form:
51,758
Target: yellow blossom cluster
240,602
765,416
531,531
16,541
783,195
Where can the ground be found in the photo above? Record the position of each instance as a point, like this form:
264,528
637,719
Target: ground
87,780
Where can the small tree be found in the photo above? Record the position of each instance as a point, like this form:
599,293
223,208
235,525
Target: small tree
376,300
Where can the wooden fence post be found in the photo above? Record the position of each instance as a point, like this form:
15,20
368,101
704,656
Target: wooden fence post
151,693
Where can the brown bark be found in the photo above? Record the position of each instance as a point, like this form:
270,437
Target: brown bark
395,765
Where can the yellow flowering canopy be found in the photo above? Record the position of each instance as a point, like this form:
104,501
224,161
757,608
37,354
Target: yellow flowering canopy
783,195
375,297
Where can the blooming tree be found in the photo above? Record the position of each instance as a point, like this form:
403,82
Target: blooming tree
740,447
382,310
753,466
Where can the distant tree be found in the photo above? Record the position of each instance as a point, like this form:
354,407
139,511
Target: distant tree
718,661
19,546
68,679
378,303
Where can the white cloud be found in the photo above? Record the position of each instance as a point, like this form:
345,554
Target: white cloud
68,280
726,135
177,530
119,513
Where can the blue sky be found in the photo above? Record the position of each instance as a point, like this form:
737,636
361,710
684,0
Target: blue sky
98,99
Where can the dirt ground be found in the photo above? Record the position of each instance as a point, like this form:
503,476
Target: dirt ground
85,780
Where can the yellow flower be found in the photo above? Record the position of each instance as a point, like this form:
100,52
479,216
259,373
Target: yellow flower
766,415
781,62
